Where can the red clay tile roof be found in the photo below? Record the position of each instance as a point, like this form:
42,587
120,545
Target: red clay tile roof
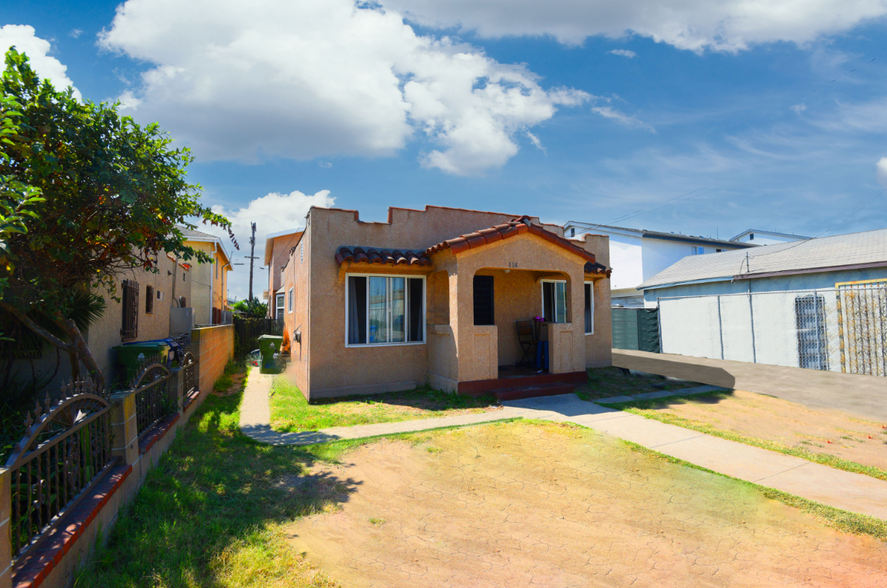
517,226
381,256
597,268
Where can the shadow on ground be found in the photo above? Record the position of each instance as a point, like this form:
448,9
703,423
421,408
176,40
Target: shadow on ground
207,515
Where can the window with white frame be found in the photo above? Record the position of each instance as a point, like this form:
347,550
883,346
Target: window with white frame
289,301
698,250
278,306
382,310
554,301
589,308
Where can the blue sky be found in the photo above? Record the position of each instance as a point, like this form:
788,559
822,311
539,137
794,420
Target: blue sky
772,119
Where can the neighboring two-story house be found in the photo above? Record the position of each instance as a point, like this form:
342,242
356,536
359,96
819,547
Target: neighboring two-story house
210,287
637,255
277,251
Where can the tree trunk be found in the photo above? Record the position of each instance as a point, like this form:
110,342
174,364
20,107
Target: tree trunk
77,347
75,364
81,350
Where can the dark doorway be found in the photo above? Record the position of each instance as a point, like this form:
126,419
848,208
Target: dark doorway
483,300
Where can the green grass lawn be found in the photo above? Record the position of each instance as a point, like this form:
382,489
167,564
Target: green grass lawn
610,381
211,513
290,412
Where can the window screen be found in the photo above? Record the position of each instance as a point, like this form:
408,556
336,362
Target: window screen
149,299
554,301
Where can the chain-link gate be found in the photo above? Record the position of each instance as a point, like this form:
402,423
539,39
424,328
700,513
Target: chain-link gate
862,326
840,329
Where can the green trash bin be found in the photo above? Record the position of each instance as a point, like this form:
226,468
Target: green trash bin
269,345
131,355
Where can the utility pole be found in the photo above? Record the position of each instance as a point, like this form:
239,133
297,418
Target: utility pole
252,259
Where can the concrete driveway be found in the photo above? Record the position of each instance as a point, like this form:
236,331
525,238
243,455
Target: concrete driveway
864,396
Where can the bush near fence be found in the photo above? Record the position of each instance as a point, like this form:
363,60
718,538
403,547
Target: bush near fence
62,490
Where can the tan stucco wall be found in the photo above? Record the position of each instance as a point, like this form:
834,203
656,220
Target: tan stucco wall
599,349
214,348
296,269
327,367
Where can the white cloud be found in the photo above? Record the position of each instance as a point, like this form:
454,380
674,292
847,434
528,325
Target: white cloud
26,41
622,118
76,33
272,213
317,78
881,171
623,53
697,25
799,108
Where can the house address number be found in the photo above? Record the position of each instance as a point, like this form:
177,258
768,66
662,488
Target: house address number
512,264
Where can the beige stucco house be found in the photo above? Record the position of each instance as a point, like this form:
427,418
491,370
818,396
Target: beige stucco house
210,280
434,296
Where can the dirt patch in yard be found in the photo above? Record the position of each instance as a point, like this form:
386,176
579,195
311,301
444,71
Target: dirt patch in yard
525,504
763,417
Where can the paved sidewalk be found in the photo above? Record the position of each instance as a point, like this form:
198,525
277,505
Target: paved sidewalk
255,419
837,488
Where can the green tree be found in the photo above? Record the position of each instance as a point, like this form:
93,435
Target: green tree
111,194
252,308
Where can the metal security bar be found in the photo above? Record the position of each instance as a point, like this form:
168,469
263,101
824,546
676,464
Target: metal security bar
812,329
65,451
862,326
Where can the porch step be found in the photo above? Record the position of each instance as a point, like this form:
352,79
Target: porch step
519,381
521,392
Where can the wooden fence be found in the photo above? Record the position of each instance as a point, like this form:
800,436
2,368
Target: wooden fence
248,330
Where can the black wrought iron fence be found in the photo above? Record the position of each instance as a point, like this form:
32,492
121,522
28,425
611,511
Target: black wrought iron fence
152,392
190,375
65,451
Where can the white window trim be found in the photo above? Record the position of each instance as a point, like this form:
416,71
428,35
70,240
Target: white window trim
542,294
279,309
591,287
406,306
290,302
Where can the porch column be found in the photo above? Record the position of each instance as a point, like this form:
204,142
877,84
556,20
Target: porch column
477,347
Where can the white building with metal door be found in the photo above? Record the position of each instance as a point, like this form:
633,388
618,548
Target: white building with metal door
818,303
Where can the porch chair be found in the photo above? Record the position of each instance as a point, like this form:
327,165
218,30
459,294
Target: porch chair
526,336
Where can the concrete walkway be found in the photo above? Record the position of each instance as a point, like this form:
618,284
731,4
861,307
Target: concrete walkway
863,396
837,488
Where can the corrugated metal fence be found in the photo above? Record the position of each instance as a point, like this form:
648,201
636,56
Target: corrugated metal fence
636,329
840,330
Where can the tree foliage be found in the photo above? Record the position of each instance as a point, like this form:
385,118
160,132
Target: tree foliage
109,197
252,308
